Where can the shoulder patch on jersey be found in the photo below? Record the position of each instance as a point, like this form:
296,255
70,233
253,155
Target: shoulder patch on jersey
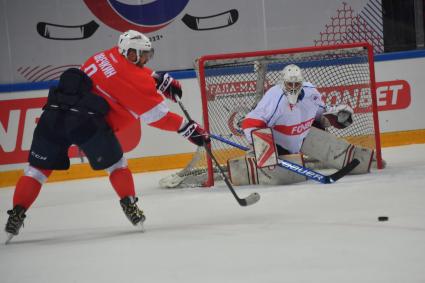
312,92
308,84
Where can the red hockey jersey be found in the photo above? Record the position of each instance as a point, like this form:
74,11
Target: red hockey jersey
130,91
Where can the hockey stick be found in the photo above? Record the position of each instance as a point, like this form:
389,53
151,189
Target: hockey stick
301,170
252,198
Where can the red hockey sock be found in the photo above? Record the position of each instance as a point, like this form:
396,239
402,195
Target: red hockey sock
122,181
26,191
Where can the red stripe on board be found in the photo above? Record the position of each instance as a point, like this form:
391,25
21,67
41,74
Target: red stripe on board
38,72
23,71
55,75
32,70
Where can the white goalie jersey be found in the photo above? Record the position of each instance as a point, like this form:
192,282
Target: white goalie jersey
290,123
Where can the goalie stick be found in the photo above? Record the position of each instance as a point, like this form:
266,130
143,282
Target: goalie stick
301,170
252,198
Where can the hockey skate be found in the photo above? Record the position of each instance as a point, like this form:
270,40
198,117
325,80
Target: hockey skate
15,222
132,211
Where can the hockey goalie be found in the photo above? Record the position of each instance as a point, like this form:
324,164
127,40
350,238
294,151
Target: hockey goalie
290,121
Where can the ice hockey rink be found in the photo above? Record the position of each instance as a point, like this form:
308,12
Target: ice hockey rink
310,232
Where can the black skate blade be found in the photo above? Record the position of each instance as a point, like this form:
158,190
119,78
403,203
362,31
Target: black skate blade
141,226
9,238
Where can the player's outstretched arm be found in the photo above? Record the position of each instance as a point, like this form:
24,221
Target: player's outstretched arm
188,129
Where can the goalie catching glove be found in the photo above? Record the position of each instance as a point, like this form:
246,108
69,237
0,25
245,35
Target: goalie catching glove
194,133
338,116
168,86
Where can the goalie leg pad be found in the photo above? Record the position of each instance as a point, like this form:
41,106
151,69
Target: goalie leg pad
334,152
280,176
365,156
243,171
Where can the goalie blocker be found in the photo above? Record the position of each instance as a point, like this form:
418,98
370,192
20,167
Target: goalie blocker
321,145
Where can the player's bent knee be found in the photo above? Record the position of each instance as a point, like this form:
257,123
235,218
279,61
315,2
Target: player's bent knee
121,164
36,174
103,150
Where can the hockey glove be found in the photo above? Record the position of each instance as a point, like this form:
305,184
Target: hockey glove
194,133
338,116
168,86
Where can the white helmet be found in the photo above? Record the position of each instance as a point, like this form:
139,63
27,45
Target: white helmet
132,39
292,82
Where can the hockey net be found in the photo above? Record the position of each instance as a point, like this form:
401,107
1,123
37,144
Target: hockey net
232,84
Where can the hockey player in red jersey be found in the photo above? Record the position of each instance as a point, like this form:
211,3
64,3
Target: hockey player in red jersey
112,89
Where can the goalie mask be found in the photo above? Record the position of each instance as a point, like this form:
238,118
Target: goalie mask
132,39
292,82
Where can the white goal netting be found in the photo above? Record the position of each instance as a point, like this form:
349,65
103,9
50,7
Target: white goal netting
232,84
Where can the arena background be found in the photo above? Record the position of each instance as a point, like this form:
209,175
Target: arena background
40,39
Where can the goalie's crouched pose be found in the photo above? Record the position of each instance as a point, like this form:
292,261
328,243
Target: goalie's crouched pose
298,117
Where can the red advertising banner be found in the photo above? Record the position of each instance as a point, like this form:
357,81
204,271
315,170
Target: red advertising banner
390,95
18,119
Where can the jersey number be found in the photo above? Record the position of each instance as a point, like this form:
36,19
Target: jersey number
90,70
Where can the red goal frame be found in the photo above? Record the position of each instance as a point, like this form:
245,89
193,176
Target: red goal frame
201,68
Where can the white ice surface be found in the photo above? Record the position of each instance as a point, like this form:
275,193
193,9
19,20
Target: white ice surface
76,231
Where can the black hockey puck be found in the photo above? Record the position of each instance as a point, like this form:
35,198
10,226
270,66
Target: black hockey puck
383,218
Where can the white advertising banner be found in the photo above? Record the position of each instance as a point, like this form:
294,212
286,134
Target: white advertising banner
39,39
403,100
